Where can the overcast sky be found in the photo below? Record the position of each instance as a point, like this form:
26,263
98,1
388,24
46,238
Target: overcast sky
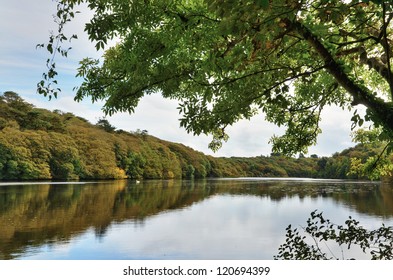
26,23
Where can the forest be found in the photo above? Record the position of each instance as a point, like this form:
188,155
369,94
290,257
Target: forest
38,144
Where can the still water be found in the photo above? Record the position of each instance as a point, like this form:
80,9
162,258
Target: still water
210,219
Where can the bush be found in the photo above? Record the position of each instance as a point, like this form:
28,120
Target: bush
378,244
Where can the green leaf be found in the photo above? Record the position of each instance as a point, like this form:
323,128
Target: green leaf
264,4
49,47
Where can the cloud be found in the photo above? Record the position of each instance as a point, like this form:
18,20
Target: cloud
336,131
24,24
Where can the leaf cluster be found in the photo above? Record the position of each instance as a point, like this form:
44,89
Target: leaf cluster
55,45
378,243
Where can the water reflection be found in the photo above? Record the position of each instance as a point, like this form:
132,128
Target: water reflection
242,218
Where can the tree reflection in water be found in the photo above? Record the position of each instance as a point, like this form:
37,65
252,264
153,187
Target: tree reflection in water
33,215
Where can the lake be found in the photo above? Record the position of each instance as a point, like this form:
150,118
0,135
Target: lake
202,219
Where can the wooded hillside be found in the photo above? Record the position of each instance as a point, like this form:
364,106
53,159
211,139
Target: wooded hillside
37,144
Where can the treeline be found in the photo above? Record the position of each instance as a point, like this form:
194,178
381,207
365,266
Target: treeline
39,144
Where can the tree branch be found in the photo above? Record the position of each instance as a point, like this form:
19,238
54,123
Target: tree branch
381,112
377,65
387,46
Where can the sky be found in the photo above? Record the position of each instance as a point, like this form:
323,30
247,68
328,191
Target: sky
26,23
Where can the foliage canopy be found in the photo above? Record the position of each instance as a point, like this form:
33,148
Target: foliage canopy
228,60
39,144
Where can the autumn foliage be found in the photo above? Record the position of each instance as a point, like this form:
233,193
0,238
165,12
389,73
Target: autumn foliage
39,144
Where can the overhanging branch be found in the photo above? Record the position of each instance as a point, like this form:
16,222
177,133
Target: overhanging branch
381,112
376,64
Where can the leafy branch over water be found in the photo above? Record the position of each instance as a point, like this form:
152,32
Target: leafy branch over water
378,243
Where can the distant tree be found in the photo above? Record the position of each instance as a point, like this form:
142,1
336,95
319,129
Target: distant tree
64,160
275,154
58,112
3,123
141,132
372,158
15,101
134,164
5,156
105,125
11,97
190,171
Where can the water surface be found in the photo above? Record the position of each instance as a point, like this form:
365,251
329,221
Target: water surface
208,219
